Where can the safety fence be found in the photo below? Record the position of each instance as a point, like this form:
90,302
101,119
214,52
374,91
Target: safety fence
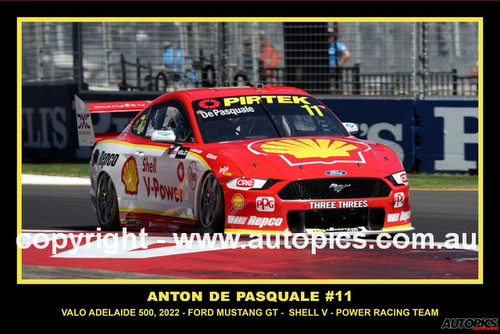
327,58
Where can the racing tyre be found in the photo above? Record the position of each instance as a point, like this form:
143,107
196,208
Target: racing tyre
211,205
107,204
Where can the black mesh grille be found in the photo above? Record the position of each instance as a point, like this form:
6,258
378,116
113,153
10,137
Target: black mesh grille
335,189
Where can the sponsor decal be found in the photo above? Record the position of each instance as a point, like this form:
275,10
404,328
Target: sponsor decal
83,121
237,220
182,152
405,215
393,217
338,205
338,187
398,216
192,174
211,156
265,204
178,152
224,170
130,177
165,192
180,172
256,99
399,199
149,165
400,178
225,112
245,183
312,151
107,159
163,135
208,104
254,221
264,221
237,201
336,173
197,151
121,105
404,178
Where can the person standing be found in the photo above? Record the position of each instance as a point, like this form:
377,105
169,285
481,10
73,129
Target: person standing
270,59
172,60
338,56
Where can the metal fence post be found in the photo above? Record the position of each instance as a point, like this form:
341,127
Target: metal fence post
77,55
454,78
357,79
124,70
423,60
222,54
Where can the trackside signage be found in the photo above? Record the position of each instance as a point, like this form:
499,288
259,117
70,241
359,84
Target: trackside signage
428,136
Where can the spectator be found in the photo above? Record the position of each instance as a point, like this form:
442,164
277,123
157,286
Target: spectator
338,56
244,68
270,58
172,59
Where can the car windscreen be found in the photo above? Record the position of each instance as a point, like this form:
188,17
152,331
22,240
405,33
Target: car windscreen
264,116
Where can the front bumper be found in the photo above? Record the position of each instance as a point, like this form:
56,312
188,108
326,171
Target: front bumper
264,211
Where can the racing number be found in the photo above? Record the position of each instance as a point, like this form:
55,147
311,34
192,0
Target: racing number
311,108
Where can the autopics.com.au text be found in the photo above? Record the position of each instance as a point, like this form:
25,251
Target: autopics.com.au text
112,242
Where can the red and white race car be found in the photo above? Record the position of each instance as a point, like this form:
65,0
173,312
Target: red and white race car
241,160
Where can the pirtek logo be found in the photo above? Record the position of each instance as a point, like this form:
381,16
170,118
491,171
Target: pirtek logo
338,187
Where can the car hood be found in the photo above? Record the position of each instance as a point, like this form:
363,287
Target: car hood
305,157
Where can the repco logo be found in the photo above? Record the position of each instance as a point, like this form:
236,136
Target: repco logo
107,159
265,204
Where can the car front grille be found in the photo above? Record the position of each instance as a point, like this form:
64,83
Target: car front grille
334,188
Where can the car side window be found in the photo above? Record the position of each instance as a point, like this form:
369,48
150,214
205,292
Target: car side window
139,126
170,115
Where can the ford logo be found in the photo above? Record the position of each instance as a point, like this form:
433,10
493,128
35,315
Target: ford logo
336,172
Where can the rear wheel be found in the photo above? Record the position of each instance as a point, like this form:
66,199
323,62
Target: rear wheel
107,204
211,205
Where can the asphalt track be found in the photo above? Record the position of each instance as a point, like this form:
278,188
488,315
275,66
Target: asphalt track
67,208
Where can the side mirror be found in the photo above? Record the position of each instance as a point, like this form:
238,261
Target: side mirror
164,136
351,128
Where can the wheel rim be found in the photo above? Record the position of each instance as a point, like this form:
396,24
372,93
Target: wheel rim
106,200
211,195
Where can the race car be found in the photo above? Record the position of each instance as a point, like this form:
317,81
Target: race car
259,159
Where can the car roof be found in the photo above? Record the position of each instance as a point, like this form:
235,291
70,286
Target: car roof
203,93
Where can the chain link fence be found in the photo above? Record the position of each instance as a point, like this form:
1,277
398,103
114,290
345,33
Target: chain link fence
387,59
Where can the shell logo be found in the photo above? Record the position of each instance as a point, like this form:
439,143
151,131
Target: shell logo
130,177
309,148
238,201
308,151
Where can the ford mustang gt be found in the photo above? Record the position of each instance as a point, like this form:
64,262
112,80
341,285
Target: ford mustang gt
255,159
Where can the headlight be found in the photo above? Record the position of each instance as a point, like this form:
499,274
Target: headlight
398,178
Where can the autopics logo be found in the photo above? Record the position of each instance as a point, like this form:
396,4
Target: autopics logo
476,324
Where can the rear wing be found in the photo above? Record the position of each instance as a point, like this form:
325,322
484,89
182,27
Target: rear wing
120,112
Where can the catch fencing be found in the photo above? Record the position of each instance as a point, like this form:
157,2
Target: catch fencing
419,60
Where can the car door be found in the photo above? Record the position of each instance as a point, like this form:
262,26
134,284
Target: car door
164,187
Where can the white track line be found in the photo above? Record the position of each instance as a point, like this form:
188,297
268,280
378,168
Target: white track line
54,180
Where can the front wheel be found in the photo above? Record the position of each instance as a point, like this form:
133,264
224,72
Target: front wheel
107,204
211,205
